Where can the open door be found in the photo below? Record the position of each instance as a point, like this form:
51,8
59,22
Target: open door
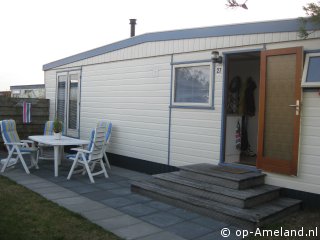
279,114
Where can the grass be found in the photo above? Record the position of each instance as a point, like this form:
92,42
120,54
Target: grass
309,219
26,215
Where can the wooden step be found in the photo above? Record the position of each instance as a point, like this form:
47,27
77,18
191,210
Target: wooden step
223,176
244,218
240,198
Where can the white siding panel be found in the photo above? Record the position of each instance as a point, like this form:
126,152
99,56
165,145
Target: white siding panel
135,96
195,136
50,85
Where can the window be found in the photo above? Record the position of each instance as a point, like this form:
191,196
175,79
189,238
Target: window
311,71
192,85
68,100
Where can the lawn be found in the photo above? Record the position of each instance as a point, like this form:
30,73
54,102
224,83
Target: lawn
26,215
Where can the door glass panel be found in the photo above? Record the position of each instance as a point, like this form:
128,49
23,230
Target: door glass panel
61,98
73,101
279,117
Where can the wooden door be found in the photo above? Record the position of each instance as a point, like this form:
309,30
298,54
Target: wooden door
279,110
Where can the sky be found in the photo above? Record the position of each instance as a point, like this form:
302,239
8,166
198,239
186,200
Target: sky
36,32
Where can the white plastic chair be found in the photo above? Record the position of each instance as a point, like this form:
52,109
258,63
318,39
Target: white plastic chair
48,131
16,147
88,158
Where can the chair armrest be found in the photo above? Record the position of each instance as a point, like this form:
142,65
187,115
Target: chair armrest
27,141
15,143
80,150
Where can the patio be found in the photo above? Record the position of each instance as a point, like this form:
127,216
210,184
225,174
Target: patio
111,204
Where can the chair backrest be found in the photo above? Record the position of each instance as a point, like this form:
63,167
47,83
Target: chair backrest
108,134
97,147
108,128
91,139
9,132
48,128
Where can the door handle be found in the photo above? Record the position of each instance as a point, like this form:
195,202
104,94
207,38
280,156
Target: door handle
297,106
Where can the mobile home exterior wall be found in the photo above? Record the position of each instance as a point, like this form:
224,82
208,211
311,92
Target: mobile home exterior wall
132,87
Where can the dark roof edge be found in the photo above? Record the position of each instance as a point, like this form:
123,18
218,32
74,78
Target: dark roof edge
33,86
287,25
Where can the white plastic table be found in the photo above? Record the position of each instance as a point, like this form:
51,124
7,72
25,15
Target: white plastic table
57,146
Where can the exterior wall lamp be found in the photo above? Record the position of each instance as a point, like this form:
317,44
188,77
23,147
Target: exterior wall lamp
215,57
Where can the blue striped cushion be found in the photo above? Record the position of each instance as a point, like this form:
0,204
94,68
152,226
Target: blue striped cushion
48,128
9,131
108,134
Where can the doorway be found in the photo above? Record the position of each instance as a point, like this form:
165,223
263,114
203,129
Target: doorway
242,108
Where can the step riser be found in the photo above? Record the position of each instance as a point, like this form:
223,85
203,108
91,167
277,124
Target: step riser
245,184
203,211
218,197
200,193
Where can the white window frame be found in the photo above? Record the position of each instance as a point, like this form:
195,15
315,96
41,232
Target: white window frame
190,104
304,82
68,131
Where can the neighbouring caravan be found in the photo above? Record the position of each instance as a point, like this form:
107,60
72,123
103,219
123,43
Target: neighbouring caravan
244,95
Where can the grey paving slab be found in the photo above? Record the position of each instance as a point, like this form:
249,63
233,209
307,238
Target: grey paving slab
70,184
29,180
44,184
117,202
185,214
138,210
84,207
59,195
189,230
108,185
210,223
99,195
72,200
159,205
162,219
102,213
125,183
120,191
53,189
136,231
84,189
164,235
217,236
118,222
138,198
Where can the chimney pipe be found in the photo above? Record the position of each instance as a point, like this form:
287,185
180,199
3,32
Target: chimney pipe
133,23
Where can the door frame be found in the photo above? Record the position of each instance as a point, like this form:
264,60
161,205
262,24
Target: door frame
69,132
274,165
223,110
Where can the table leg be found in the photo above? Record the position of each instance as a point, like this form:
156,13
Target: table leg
56,160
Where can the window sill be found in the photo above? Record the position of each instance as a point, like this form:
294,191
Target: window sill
193,107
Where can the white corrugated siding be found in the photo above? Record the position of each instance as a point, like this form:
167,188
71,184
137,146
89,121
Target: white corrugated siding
134,95
50,83
151,49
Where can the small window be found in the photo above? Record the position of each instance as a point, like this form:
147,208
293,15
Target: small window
311,71
192,85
